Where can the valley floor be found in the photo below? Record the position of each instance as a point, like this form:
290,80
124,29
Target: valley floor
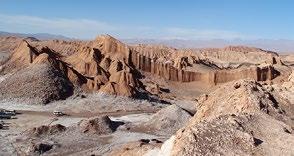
14,140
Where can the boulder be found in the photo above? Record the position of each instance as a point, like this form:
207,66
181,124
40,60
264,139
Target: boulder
97,125
40,148
47,130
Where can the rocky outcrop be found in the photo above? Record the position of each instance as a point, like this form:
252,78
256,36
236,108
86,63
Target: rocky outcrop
253,134
244,96
101,65
21,57
284,94
258,73
170,119
36,84
39,148
241,54
9,43
65,48
97,125
168,71
291,77
239,118
38,74
153,51
288,59
26,55
46,130
107,65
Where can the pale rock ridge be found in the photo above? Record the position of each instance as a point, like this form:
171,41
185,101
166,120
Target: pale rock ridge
22,56
244,96
9,43
238,118
239,54
251,134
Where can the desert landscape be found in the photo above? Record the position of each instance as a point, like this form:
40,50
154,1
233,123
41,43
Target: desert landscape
146,78
104,97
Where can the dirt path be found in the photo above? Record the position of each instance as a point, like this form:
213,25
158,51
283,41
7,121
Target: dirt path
88,115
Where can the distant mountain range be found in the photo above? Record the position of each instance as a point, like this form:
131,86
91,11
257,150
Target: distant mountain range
281,46
40,36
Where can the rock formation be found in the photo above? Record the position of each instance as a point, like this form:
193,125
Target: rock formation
241,54
256,134
170,119
46,130
107,65
21,57
179,65
288,59
39,75
39,148
41,84
9,43
97,125
245,96
103,65
247,120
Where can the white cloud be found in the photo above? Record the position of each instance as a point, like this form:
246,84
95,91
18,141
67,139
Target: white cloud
87,28
83,28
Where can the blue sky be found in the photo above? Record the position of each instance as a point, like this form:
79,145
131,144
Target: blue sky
180,19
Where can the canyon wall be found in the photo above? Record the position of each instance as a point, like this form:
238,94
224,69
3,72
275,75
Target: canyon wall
258,73
169,72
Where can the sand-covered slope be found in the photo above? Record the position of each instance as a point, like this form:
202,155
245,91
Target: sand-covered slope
40,83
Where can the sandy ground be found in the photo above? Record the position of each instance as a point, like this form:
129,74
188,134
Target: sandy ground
133,118
93,104
117,108
99,145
